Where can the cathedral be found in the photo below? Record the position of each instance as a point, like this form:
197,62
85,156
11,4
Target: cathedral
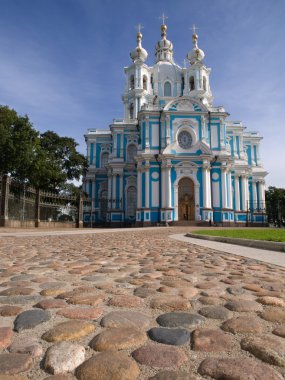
174,158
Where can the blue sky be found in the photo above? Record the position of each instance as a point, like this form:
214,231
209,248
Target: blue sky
61,61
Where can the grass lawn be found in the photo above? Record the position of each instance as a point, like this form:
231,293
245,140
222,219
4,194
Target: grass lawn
253,234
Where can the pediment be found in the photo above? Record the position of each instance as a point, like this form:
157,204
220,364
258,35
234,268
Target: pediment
197,149
185,103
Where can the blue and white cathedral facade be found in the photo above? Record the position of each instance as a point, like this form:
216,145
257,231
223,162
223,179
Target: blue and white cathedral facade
174,156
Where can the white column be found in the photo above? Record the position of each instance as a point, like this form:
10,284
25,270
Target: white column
115,145
235,146
224,188
261,195
243,185
147,186
237,194
209,187
246,190
121,191
254,196
197,202
109,190
93,194
168,187
205,189
139,188
230,192
147,133
163,187
114,191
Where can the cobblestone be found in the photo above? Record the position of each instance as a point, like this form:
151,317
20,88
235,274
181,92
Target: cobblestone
135,294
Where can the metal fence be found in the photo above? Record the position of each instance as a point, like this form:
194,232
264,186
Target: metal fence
256,214
23,206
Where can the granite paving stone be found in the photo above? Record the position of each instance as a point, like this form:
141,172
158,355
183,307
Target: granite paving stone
108,365
118,338
273,315
68,331
212,340
243,325
81,313
117,290
280,331
126,319
51,304
242,305
30,318
160,356
237,369
175,337
6,335
268,348
271,301
126,301
29,346
64,357
11,364
180,319
215,312
170,303
8,310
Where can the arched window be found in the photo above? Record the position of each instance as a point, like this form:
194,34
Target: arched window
151,81
131,201
182,84
103,204
132,82
192,83
204,83
104,159
167,89
145,82
131,153
131,111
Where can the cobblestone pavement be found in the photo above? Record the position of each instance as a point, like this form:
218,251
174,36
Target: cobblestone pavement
137,305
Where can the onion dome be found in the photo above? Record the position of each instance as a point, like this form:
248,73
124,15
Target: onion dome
195,55
139,54
164,47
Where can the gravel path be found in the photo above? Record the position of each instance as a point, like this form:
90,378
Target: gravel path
137,304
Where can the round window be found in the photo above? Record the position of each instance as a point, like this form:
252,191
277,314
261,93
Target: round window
184,139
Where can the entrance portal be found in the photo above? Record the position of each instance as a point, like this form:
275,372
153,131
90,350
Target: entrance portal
186,199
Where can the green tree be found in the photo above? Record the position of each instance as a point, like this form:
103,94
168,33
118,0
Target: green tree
57,162
275,204
18,141
46,161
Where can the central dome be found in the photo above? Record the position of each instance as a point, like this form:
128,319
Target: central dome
164,47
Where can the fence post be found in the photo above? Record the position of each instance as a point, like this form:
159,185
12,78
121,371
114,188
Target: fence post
79,223
37,208
4,217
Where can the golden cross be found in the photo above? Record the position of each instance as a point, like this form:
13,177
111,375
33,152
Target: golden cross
194,28
139,27
163,18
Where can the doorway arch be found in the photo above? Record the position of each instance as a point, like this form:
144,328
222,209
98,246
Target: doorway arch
186,199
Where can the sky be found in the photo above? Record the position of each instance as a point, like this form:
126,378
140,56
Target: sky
61,61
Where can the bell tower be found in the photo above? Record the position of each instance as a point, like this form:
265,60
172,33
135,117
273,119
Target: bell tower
197,77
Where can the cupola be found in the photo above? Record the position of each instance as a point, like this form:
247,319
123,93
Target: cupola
164,47
139,54
195,55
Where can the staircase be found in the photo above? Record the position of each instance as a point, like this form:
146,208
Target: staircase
185,223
